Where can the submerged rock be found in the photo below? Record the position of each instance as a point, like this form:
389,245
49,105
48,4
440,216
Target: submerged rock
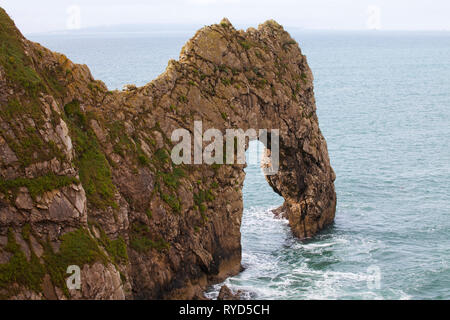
225,293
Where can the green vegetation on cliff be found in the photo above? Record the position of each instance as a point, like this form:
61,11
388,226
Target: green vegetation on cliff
141,239
17,65
95,174
21,72
201,199
36,186
19,270
77,248
26,141
117,249
168,179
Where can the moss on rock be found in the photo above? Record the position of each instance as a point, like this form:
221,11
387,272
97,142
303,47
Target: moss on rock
19,270
77,248
36,186
94,170
142,241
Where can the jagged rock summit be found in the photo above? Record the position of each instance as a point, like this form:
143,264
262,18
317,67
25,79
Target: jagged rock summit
86,177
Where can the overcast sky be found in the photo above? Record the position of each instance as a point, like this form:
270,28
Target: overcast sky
54,15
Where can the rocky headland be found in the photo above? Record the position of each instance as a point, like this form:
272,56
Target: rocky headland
86,176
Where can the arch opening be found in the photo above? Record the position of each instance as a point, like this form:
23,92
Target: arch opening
256,191
263,236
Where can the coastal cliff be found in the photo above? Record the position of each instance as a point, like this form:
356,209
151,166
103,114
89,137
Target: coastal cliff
86,176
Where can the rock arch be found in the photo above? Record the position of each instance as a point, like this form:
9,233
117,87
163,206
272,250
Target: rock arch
255,79
261,80
170,230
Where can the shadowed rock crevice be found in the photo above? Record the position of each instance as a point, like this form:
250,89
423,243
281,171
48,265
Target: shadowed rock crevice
86,176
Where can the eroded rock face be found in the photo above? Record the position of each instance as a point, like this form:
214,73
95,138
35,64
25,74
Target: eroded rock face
86,177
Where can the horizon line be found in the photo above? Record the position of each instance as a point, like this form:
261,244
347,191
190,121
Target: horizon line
195,27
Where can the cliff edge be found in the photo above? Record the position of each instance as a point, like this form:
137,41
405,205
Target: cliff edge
86,177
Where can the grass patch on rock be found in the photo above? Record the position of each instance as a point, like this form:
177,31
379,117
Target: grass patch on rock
18,67
36,186
141,239
19,270
95,174
77,248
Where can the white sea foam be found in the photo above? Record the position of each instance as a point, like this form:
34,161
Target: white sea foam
278,266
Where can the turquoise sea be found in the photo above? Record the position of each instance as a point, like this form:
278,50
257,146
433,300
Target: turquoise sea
383,102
